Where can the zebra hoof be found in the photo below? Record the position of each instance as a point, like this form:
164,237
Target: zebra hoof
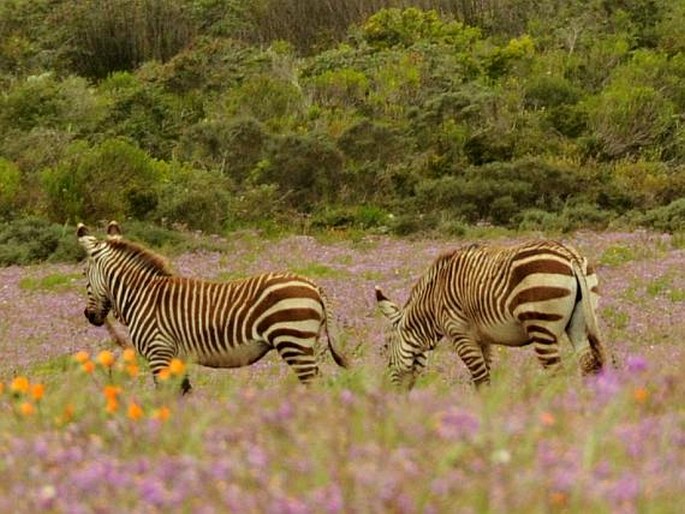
185,386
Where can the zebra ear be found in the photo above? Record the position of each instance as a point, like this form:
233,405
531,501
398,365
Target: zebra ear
388,308
81,230
113,230
87,241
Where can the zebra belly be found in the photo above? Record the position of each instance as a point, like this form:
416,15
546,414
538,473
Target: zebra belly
508,334
236,356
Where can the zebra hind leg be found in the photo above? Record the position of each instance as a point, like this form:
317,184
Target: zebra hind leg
300,357
546,346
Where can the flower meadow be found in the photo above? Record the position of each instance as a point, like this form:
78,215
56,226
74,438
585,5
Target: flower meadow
84,429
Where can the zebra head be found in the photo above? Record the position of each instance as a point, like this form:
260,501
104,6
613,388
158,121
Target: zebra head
99,303
397,347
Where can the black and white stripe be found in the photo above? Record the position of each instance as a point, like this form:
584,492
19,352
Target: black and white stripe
216,324
531,293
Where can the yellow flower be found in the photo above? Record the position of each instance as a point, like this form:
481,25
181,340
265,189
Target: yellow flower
132,370
105,358
27,409
37,391
162,414
81,357
88,366
2,387
20,385
164,374
135,411
129,355
176,367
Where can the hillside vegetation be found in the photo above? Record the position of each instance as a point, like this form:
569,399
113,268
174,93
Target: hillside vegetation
405,116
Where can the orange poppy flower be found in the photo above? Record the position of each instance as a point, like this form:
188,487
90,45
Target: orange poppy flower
105,358
27,409
162,414
176,367
129,355
135,411
37,391
20,385
81,356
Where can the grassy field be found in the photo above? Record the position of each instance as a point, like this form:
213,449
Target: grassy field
94,435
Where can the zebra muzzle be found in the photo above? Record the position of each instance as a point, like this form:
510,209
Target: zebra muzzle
93,317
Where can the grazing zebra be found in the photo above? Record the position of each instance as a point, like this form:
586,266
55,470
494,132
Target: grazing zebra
221,325
483,295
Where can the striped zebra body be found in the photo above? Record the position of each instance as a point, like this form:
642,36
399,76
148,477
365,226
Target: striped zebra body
532,293
215,324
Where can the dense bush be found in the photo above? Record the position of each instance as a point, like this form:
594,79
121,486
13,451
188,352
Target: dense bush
10,185
306,170
194,199
32,240
47,102
111,180
669,218
398,115
234,147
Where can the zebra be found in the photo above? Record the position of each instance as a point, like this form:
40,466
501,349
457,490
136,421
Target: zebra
531,293
215,324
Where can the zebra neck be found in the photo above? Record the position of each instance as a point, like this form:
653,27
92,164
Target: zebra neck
129,292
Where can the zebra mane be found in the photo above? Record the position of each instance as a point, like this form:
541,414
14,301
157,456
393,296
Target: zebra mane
429,275
143,256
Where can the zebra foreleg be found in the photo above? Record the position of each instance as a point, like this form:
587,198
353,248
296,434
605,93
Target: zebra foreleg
160,360
471,354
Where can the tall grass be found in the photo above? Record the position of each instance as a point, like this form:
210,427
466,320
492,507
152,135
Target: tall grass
116,35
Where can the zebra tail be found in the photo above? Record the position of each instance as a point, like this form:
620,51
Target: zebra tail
339,358
594,337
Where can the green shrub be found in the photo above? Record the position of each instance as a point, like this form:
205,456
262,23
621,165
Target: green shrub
340,88
10,184
408,224
538,220
668,218
208,65
30,240
306,169
142,112
195,199
47,102
233,147
631,120
500,192
267,98
583,215
550,91
360,217
111,180
405,27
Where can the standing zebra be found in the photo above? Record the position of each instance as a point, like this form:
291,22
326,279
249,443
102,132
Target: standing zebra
221,325
482,295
